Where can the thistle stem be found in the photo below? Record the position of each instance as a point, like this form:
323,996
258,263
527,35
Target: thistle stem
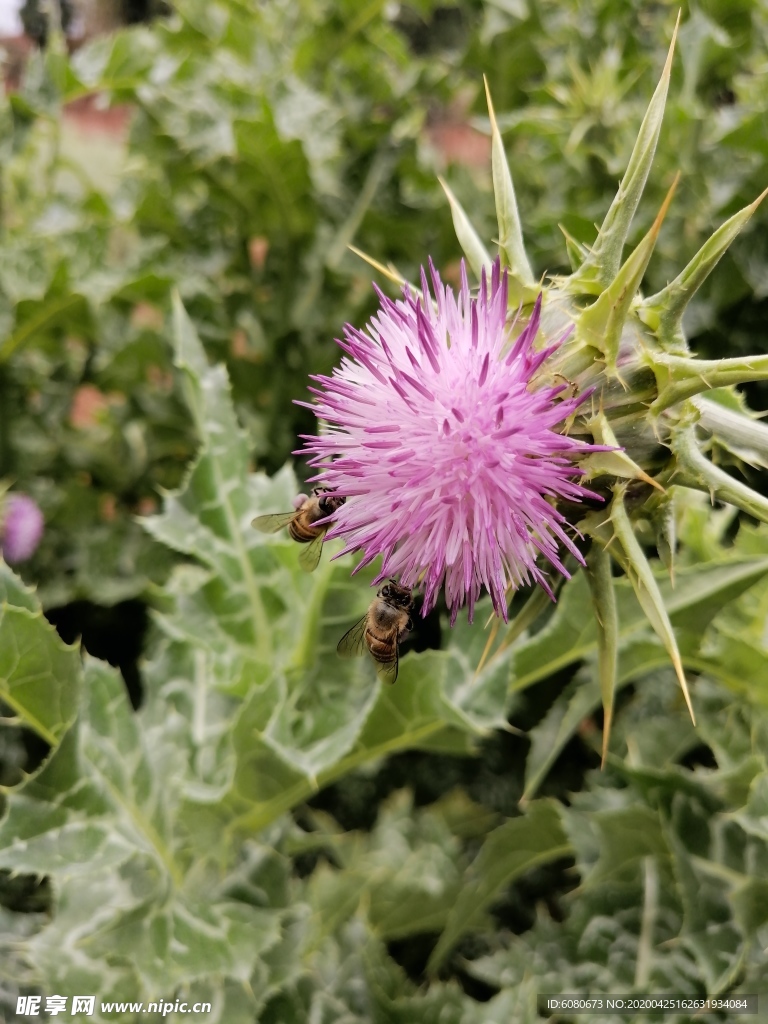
696,471
681,377
735,429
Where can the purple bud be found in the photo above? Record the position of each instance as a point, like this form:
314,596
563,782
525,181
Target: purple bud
22,528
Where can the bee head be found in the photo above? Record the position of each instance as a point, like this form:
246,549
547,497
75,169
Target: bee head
329,502
396,595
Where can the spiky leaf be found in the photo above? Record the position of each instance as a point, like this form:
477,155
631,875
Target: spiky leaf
509,850
600,579
511,245
39,675
602,264
477,255
646,589
600,325
663,312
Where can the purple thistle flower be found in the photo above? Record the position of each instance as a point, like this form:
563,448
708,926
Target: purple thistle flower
21,528
446,447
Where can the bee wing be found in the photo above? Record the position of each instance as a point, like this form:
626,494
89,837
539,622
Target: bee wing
273,523
352,644
309,556
388,671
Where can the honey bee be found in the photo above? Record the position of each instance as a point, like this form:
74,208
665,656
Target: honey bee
381,629
301,524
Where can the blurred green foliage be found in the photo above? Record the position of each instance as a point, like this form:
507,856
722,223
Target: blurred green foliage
263,140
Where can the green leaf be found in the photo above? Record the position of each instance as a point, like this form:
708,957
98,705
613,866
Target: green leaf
719,947
699,596
84,810
14,592
577,252
39,675
753,817
186,941
567,637
414,894
535,604
626,836
210,518
750,904
51,312
557,727
736,661
629,924
435,693
509,851
108,799
640,655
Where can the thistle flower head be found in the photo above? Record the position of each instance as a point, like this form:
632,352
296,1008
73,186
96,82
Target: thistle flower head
448,445
21,527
